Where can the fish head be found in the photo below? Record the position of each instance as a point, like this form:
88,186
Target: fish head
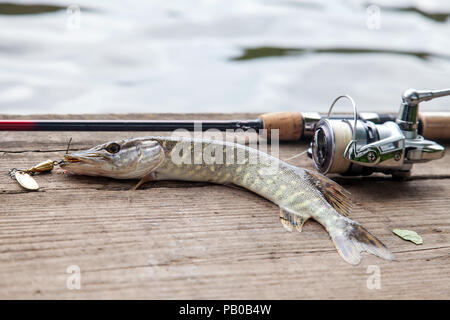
121,159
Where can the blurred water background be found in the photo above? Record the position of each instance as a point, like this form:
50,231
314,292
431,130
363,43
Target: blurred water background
219,55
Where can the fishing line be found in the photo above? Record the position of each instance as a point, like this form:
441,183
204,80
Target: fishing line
296,156
68,145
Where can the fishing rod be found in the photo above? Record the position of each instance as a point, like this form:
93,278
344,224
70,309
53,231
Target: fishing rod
292,126
356,144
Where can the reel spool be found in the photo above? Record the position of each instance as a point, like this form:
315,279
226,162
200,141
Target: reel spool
333,136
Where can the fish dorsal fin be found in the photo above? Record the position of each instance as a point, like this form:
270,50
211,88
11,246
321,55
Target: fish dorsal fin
336,195
291,220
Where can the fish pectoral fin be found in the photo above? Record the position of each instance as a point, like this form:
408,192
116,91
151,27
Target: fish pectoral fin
291,220
143,180
333,193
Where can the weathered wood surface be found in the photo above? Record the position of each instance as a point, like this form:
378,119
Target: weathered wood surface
196,240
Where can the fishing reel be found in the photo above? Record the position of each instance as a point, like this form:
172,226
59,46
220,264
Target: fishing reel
361,147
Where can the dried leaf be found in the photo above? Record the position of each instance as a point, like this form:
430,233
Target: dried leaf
408,235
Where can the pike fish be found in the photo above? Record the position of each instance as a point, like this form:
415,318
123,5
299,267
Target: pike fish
300,194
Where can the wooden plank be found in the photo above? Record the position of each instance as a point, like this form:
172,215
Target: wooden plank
196,240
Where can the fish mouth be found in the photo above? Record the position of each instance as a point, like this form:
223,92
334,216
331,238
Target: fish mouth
71,159
82,158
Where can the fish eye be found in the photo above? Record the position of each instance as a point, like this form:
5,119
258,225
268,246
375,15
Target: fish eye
113,148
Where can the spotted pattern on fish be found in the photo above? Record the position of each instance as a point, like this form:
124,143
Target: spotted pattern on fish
301,194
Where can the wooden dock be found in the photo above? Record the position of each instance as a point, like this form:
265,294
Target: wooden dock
172,240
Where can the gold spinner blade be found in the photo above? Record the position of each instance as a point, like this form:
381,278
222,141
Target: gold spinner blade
26,181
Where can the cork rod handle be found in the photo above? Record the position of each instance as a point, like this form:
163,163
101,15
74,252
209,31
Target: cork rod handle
289,124
435,125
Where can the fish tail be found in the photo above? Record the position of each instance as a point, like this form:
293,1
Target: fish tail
350,239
